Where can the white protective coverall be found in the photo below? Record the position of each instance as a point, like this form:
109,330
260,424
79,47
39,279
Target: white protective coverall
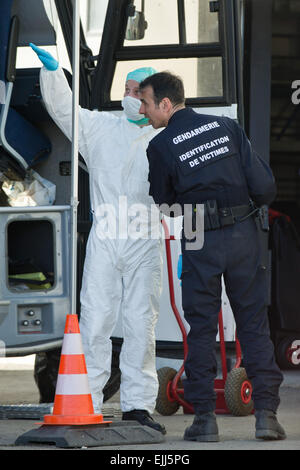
122,274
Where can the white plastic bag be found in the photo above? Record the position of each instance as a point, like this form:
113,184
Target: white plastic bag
33,191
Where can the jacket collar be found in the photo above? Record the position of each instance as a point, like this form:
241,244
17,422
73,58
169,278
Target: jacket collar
181,114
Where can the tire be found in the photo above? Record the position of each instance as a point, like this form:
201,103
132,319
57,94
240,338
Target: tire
284,352
164,406
45,373
238,392
46,369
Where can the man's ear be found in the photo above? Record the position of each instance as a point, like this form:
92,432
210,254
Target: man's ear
166,105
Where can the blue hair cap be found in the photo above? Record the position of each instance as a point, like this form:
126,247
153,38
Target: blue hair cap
140,74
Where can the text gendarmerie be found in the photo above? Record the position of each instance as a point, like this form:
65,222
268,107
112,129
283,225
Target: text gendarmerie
195,148
194,132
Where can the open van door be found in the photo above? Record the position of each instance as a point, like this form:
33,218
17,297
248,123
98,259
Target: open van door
36,252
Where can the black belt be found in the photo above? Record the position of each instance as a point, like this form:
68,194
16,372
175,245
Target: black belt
215,217
230,215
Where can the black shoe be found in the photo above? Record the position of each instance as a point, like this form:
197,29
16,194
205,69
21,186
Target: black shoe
144,418
203,429
267,426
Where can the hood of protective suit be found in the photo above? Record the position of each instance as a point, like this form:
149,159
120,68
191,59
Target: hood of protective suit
132,105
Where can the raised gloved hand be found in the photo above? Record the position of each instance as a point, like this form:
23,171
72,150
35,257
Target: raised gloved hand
49,62
179,267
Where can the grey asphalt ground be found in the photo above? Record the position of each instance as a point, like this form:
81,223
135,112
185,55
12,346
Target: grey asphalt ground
236,433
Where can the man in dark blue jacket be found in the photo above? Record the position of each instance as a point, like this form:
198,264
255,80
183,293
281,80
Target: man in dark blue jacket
208,160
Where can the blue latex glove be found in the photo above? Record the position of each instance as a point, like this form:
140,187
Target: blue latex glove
179,267
49,62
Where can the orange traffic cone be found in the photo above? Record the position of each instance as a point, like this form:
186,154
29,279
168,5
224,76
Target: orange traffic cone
73,401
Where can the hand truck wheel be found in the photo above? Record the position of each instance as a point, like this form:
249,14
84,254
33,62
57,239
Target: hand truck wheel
238,392
165,405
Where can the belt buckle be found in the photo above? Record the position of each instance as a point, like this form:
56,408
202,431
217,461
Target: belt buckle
227,216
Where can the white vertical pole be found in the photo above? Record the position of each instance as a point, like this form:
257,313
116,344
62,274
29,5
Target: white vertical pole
74,166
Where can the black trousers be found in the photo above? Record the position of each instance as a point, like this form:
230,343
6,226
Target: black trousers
235,252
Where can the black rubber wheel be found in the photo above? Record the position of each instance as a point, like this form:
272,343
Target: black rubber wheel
163,405
287,352
46,369
238,392
45,372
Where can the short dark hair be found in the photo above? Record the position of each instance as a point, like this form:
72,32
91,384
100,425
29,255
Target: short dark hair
165,85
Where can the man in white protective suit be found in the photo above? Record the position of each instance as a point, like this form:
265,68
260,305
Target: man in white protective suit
122,270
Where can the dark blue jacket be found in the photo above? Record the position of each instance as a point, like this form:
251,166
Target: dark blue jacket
200,157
